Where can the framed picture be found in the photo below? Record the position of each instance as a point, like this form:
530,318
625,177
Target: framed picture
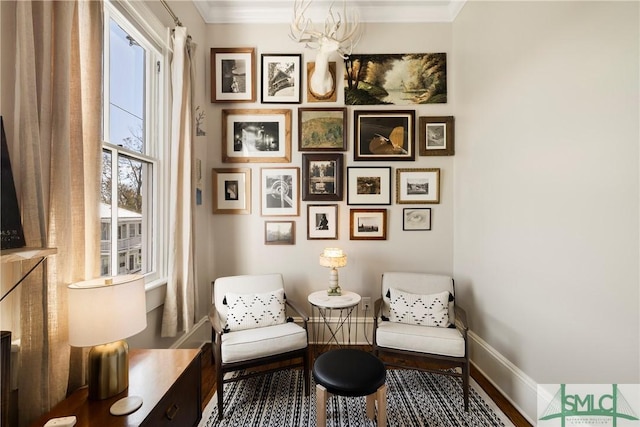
233,75
322,129
231,191
256,136
368,224
279,233
322,222
280,191
436,136
400,79
322,177
418,185
384,135
414,219
281,78
368,185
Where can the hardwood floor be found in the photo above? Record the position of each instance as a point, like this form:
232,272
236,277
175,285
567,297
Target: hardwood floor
209,383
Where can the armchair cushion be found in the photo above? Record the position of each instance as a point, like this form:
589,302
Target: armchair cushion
248,311
400,336
256,343
416,309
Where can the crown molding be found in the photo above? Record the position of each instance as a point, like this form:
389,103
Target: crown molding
279,11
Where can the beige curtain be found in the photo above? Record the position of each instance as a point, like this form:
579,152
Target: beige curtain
58,114
179,304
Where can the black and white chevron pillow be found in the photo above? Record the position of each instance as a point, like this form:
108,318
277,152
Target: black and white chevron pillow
414,309
248,311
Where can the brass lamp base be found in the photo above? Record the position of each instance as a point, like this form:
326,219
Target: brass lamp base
108,370
334,292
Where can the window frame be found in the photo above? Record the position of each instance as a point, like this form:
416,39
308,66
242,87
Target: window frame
139,22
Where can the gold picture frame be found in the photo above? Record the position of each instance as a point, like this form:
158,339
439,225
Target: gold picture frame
231,191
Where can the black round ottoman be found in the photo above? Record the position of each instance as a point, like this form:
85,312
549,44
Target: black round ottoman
347,372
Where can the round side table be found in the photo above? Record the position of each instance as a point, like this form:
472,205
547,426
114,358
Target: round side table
336,314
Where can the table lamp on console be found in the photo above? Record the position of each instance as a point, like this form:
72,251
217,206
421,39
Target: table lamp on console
102,313
333,258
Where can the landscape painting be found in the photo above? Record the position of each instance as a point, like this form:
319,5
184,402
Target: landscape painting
397,79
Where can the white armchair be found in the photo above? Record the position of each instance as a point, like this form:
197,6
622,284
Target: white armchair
417,316
250,328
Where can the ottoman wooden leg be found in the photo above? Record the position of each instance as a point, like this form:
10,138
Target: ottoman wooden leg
371,406
382,405
321,406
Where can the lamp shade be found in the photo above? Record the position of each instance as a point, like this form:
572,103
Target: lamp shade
101,313
333,258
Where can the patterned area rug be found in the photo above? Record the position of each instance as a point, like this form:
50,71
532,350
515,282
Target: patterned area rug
414,399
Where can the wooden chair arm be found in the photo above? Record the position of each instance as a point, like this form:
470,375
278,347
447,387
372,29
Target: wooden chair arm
214,319
461,318
299,311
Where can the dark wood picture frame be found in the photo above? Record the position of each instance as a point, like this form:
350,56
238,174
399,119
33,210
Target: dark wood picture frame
368,224
384,135
322,177
233,74
281,77
256,136
436,136
322,129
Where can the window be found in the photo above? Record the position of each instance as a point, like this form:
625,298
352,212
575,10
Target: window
132,147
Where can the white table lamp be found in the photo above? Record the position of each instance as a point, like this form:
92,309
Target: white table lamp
333,258
102,313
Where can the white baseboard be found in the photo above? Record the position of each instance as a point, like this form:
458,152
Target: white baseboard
516,386
198,335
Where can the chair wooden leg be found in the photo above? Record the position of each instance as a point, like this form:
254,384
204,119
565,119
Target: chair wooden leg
465,388
321,406
306,372
220,389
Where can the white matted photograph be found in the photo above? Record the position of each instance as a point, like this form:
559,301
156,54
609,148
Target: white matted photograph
231,191
233,76
280,191
281,79
368,224
322,222
418,185
368,185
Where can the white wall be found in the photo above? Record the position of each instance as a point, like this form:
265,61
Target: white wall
239,239
546,188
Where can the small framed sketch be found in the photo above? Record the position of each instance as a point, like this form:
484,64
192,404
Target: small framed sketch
256,136
280,191
322,177
414,219
418,185
368,185
322,222
233,74
281,79
322,129
384,135
279,233
232,191
436,136
368,224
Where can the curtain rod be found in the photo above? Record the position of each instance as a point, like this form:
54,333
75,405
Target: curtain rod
173,15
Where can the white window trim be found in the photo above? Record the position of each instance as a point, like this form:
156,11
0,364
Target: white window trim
145,19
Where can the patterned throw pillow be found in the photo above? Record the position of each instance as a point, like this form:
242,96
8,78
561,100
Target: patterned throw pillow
414,309
248,311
